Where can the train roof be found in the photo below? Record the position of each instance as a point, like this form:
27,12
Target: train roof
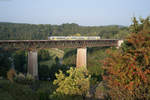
74,36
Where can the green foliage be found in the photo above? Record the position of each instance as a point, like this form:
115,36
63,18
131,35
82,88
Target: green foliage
47,71
95,55
28,31
32,32
94,60
44,90
43,55
58,96
55,69
69,57
75,83
142,24
20,61
29,77
39,90
44,72
43,94
16,91
5,63
128,68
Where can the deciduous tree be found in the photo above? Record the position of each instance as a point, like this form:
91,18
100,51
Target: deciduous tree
128,69
75,83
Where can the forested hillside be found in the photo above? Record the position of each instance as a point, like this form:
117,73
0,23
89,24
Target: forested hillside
41,31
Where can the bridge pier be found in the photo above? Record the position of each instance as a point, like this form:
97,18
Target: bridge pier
33,63
119,43
81,57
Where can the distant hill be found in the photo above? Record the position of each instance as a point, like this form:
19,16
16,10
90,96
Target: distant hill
22,31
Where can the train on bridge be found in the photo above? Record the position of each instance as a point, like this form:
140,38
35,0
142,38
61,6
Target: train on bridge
74,38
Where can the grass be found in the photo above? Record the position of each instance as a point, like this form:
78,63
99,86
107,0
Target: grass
54,52
48,62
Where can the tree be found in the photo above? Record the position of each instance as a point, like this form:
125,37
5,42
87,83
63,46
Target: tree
31,32
43,55
56,67
20,61
44,72
75,83
5,63
128,69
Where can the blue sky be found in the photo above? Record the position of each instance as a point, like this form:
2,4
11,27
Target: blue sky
82,12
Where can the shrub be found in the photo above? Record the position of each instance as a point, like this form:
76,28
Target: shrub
45,89
75,83
15,91
24,79
43,93
44,72
5,63
29,77
10,74
21,76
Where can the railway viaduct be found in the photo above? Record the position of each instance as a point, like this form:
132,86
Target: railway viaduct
33,45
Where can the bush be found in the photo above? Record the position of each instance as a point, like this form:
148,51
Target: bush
24,79
43,93
59,96
11,74
14,91
43,55
29,77
44,72
75,83
5,63
45,88
20,60
55,69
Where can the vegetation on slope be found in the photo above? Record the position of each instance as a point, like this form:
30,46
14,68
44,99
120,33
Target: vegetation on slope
13,31
38,90
128,68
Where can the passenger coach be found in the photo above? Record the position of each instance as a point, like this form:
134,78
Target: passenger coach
74,37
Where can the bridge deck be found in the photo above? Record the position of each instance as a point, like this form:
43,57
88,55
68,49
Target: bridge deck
57,43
